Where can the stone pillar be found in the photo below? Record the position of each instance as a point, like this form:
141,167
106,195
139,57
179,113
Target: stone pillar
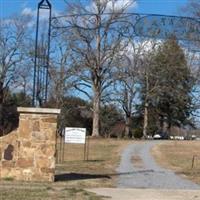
34,158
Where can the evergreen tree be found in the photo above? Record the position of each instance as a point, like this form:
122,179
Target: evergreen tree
171,100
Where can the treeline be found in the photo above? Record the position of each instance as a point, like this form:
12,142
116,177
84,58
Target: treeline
101,76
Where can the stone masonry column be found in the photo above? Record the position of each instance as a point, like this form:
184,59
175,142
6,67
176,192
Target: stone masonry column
36,143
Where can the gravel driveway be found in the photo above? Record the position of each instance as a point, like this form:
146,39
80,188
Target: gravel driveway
138,169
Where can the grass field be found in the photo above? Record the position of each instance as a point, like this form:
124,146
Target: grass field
48,193
73,175
104,157
178,155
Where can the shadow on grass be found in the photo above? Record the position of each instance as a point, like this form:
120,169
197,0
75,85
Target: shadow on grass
80,176
77,176
94,161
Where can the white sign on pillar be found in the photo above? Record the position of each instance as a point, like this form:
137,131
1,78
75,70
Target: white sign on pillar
75,135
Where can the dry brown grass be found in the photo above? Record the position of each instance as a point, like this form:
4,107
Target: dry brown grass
48,193
138,163
74,174
103,159
178,155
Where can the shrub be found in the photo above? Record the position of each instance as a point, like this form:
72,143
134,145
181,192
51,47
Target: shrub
137,133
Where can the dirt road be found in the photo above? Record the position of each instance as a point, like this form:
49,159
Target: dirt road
138,169
146,194
141,178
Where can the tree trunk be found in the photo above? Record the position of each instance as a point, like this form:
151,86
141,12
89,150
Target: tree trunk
164,126
1,108
145,125
127,128
96,112
96,85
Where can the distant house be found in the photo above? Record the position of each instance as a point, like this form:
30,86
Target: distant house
118,130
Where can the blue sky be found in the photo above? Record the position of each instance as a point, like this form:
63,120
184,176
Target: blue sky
167,7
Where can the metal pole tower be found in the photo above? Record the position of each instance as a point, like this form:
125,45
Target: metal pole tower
42,51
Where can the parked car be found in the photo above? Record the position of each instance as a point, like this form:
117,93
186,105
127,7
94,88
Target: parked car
161,135
157,137
193,137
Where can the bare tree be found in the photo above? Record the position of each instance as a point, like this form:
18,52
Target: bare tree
145,77
96,39
127,84
12,39
192,8
61,72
